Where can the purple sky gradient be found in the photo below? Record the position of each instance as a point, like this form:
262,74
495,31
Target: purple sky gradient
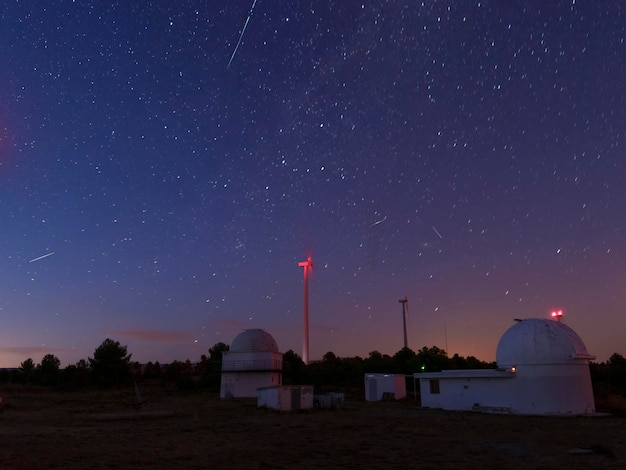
468,154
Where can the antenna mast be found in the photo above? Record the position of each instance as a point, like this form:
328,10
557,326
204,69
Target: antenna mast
404,303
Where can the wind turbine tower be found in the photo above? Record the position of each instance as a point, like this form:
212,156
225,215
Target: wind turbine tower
405,311
307,265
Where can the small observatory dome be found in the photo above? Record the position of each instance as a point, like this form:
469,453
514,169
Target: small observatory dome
254,340
540,341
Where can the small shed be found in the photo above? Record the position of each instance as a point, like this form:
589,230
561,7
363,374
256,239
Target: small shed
286,397
381,386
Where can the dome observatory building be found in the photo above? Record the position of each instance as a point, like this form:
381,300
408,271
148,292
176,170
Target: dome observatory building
542,369
253,361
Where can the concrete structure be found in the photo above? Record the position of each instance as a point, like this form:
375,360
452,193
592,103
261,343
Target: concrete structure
542,369
379,386
286,397
253,361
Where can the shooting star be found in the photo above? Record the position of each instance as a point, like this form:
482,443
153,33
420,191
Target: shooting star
243,31
377,222
437,232
41,257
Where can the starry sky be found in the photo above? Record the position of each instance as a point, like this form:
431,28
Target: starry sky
160,191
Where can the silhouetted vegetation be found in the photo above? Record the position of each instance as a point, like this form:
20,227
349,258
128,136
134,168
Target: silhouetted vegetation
211,367
111,365
27,368
333,373
609,378
75,376
47,373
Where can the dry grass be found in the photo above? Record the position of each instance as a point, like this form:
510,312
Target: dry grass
41,429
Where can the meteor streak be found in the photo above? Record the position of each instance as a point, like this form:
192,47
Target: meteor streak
437,232
243,31
378,222
41,257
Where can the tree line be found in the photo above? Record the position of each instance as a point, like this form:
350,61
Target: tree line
112,365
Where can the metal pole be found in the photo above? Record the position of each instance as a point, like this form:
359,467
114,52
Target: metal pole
403,302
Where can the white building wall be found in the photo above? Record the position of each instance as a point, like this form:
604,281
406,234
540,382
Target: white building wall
378,384
286,397
533,389
245,384
469,394
244,372
554,389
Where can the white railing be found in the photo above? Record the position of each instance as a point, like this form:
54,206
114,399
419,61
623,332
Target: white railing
252,364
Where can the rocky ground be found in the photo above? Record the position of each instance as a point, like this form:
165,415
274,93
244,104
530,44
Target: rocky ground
41,429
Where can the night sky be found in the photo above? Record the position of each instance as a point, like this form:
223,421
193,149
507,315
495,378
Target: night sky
470,154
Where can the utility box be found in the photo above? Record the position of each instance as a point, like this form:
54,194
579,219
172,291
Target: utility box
381,386
329,400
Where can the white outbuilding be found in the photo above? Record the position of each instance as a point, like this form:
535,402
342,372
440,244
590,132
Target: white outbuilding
542,369
253,361
380,386
286,397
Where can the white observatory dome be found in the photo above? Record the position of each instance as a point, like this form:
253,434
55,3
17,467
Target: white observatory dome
255,340
540,341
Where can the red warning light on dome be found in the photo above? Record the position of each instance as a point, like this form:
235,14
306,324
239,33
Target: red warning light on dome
557,314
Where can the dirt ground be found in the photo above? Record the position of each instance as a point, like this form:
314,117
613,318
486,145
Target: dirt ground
44,429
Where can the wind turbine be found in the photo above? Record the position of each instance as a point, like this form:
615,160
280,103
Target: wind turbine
307,265
405,312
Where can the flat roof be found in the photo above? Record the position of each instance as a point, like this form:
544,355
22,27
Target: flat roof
466,374
384,375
